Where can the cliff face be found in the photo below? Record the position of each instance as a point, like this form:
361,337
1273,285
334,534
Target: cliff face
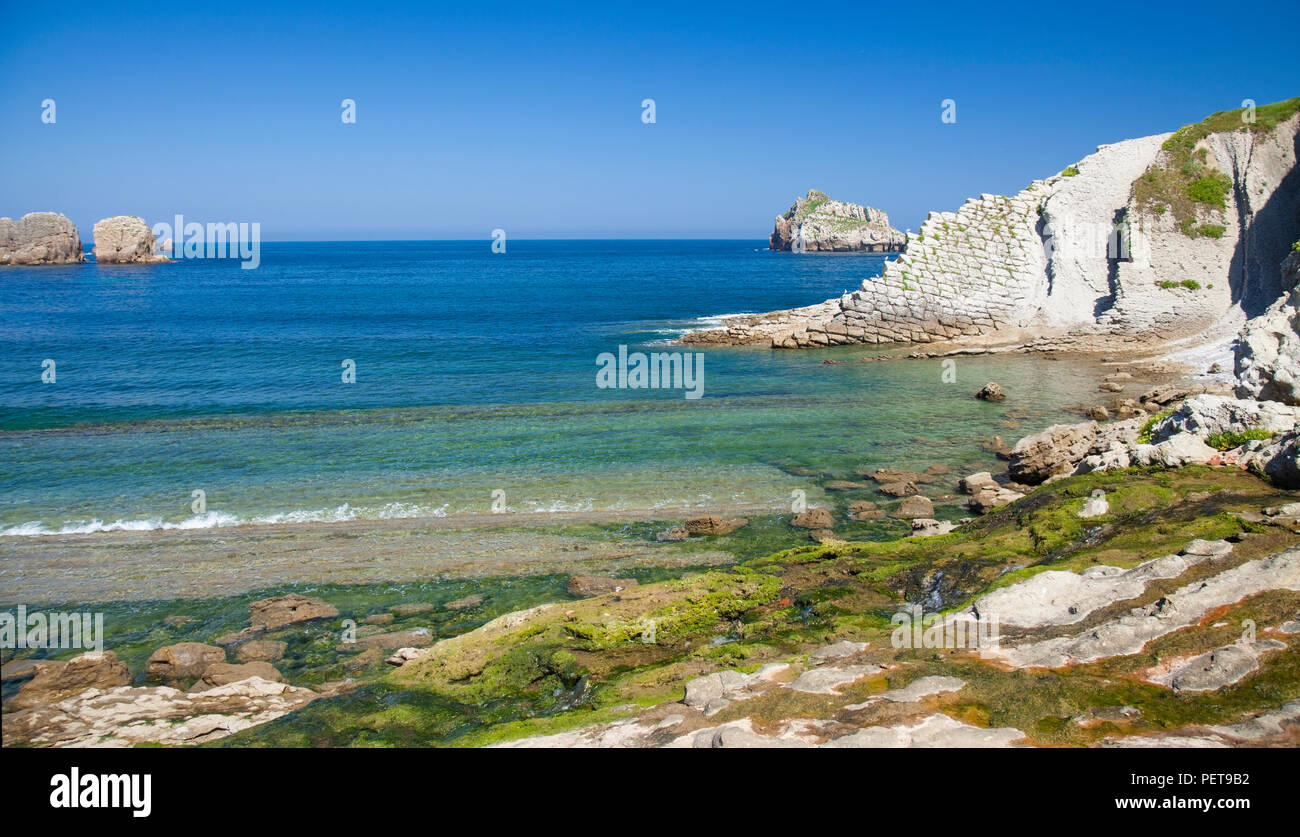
1146,241
39,238
817,223
125,239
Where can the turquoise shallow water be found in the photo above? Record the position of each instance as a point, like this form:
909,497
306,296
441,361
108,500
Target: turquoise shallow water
475,374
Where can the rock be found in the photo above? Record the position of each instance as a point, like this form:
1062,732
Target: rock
400,657
838,650
1096,505
1098,413
40,238
1175,452
900,489
865,510
827,681
975,483
465,602
1280,460
1207,415
125,239
1110,386
923,527
814,519
414,638
223,674
56,680
15,670
260,650
844,485
183,661
365,660
379,619
914,507
587,586
411,609
125,716
986,500
887,476
1053,452
997,447
816,222
674,533
713,525
1267,353
823,535
290,609
991,392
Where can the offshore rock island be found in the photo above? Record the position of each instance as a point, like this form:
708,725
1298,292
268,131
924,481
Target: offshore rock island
817,223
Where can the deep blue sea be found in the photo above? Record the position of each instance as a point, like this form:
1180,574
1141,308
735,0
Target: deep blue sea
475,374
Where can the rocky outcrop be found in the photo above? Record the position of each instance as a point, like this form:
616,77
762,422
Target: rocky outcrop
1268,351
1094,257
56,680
40,238
125,239
817,223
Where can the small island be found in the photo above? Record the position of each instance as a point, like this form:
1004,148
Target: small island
817,223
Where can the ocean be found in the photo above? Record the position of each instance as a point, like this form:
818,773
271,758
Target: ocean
195,394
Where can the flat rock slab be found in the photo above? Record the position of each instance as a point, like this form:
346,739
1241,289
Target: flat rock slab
934,731
916,690
843,648
826,681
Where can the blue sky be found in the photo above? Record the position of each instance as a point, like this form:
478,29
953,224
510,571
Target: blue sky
527,117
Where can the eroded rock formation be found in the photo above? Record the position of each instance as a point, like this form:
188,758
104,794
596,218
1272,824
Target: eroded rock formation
816,222
39,238
125,239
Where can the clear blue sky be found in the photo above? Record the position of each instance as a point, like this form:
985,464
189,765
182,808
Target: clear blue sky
476,116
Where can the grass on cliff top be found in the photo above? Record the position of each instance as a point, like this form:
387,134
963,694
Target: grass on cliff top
581,662
1185,184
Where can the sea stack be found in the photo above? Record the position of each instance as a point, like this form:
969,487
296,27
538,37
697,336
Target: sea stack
125,239
40,238
817,223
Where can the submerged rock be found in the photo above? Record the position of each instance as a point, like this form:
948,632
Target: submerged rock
289,609
713,525
813,519
587,586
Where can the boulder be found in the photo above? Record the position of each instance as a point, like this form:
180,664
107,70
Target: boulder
55,680
926,526
865,510
900,489
183,661
223,674
290,609
1053,452
988,499
975,483
587,586
40,238
1206,415
914,507
1279,460
814,519
713,525
991,392
125,239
